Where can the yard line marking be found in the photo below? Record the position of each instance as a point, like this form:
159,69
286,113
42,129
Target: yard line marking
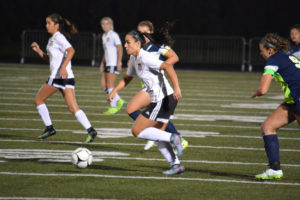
139,144
47,198
151,178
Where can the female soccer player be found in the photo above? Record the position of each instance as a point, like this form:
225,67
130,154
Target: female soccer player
286,70
151,123
59,55
142,98
295,38
112,58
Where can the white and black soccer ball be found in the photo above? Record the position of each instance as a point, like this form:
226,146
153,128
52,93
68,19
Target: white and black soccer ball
82,157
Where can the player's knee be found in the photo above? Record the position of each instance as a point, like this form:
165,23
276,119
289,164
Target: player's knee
135,132
37,102
73,109
267,127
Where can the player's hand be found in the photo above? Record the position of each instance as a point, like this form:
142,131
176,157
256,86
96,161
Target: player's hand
35,47
63,73
111,96
177,93
255,95
119,67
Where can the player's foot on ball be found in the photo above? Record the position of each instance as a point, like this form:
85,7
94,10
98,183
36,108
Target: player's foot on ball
270,174
49,131
92,133
176,169
176,141
111,111
149,145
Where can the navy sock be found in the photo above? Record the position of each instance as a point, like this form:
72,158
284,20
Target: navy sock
134,115
171,128
272,150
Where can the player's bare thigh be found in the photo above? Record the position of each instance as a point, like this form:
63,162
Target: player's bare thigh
140,100
282,116
45,92
142,122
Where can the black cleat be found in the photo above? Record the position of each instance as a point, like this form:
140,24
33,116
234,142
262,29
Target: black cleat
49,131
92,133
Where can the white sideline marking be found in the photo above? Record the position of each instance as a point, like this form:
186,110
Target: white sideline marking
137,144
152,178
252,105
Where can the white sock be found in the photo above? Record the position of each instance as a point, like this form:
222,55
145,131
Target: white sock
81,117
168,153
44,113
113,103
155,134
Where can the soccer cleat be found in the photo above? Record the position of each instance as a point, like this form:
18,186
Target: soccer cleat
149,145
92,133
111,110
184,143
176,141
120,104
49,131
270,174
176,169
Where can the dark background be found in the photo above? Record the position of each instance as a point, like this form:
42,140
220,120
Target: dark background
193,17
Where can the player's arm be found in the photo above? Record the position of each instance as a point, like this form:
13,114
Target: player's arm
264,85
123,83
101,67
172,57
120,55
174,79
70,53
35,47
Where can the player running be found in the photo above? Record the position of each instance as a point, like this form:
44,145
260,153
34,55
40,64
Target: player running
150,125
285,69
112,58
59,55
142,98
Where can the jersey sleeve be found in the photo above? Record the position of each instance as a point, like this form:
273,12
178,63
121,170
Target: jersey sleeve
131,70
117,39
63,42
151,61
163,50
271,67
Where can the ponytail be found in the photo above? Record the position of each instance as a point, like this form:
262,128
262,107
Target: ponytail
65,26
162,37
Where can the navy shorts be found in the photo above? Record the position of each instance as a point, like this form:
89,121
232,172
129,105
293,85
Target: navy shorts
61,83
111,70
161,111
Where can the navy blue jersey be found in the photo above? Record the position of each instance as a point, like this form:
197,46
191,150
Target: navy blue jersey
286,70
295,50
160,52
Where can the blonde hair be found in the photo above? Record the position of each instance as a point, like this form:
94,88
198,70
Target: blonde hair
109,20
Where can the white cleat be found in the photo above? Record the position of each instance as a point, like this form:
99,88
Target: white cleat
270,174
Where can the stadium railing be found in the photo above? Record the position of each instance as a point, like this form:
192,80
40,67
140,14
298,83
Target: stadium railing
84,44
254,57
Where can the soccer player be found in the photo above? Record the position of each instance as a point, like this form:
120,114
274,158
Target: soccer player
112,58
150,125
285,69
295,38
142,98
59,55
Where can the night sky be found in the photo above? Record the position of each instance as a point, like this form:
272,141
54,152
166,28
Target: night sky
193,17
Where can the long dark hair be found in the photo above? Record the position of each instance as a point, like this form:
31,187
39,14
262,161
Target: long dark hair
65,26
160,37
276,42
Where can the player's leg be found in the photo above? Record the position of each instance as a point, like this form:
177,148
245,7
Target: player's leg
103,83
45,92
282,116
70,99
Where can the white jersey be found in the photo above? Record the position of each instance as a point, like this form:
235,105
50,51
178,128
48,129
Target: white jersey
147,67
57,50
110,42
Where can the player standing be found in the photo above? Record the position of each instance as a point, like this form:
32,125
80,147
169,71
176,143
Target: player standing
150,125
142,98
285,69
112,58
295,38
59,55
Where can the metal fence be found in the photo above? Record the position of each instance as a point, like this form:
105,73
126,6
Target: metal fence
215,50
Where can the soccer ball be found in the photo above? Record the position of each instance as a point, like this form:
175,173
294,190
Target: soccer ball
82,157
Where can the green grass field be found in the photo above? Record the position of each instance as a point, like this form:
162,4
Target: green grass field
216,115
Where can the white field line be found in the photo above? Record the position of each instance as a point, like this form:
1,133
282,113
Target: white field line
151,178
137,144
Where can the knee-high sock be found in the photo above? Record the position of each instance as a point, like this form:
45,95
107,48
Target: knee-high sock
168,153
272,150
155,134
113,103
82,118
44,113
